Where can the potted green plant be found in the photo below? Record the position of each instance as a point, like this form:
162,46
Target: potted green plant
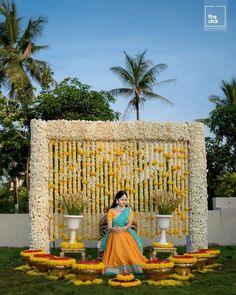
74,205
165,204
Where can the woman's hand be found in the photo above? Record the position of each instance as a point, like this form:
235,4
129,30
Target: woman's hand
115,229
118,229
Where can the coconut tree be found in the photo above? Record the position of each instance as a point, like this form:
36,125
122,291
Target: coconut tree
229,90
18,68
139,75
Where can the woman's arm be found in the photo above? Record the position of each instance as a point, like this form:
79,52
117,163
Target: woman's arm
110,215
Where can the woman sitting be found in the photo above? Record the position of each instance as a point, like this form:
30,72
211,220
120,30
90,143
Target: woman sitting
121,245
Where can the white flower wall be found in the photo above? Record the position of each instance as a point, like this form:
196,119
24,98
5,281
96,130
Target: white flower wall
42,132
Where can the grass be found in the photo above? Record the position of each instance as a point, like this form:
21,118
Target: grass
222,281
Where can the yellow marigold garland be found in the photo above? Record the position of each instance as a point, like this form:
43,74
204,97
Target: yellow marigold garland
180,277
23,267
213,266
35,273
199,254
116,283
40,257
28,253
205,270
61,261
125,277
157,264
81,265
78,282
183,259
76,245
211,251
159,245
165,283
70,276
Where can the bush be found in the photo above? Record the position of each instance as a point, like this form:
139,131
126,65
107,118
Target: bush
6,199
23,200
226,185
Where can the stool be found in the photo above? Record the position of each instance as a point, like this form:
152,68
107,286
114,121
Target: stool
65,250
162,250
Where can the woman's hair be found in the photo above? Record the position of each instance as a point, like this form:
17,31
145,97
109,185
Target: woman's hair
117,197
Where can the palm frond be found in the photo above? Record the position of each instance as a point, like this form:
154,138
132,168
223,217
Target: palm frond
149,76
4,40
163,82
4,8
10,27
142,65
215,99
229,90
125,115
16,74
131,65
4,53
123,74
151,95
36,68
36,48
201,120
121,91
33,30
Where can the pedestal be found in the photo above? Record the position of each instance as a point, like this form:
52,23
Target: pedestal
65,250
155,250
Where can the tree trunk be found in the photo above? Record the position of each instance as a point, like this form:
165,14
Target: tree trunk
137,111
27,173
15,192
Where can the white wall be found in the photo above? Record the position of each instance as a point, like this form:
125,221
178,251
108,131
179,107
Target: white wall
14,229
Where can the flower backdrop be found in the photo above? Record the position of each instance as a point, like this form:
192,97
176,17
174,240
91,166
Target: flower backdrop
99,158
101,168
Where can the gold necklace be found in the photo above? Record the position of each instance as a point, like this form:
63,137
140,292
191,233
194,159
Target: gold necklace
118,208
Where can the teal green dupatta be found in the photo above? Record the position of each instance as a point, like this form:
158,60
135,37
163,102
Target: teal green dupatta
121,220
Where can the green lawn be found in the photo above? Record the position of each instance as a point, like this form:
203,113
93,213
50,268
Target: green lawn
222,281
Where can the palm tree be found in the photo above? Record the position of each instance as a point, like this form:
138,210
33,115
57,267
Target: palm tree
17,67
229,90
140,77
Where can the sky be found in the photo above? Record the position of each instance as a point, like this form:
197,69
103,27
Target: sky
87,37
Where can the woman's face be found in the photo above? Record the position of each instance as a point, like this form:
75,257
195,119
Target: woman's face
122,202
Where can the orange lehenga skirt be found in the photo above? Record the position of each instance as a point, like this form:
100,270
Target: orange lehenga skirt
123,250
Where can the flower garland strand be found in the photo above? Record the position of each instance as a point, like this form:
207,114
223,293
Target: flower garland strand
158,264
101,168
165,283
183,259
159,245
180,277
88,264
78,282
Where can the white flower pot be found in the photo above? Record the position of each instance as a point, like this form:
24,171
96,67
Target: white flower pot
163,224
73,222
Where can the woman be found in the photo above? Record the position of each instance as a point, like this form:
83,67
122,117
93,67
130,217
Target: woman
121,245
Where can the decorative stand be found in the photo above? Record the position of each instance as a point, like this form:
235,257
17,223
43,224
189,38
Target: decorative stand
163,224
162,250
73,222
66,250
